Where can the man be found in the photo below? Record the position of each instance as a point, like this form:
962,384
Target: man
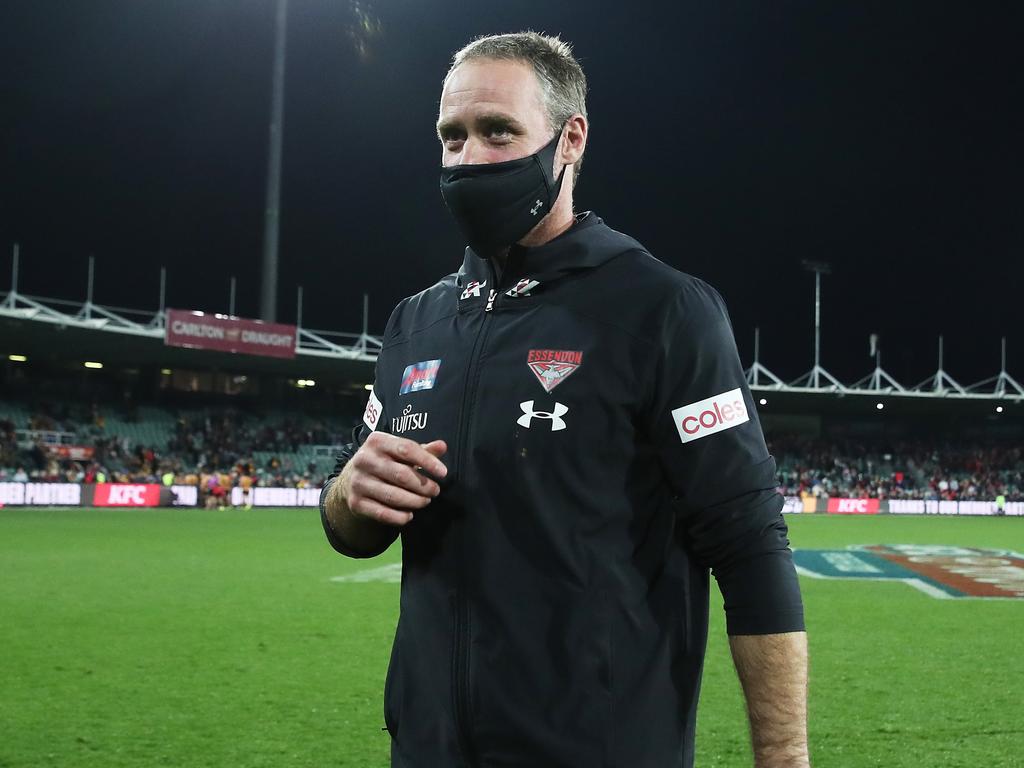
562,435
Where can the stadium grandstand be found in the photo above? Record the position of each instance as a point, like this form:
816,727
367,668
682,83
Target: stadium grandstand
216,410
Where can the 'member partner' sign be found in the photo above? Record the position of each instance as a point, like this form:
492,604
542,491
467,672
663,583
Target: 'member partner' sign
202,330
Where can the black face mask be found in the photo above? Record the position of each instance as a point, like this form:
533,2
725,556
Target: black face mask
497,204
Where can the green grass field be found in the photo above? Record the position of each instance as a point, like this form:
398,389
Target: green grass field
192,638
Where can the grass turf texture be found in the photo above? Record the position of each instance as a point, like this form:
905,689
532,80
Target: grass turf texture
192,638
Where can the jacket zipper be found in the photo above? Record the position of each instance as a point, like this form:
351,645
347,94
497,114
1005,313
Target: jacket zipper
461,650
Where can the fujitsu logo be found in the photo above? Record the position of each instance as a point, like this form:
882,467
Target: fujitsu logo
711,415
408,420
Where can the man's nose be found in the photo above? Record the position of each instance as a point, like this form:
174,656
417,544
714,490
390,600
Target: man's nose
473,152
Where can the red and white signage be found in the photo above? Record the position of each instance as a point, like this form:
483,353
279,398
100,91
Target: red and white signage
202,330
40,494
126,495
277,497
73,452
711,415
853,506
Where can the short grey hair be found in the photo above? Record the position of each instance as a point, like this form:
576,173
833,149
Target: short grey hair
562,82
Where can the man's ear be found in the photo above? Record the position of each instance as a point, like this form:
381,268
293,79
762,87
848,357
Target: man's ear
574,140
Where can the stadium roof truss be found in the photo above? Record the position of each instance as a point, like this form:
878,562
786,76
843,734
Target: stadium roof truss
364,348
89,316
1002,386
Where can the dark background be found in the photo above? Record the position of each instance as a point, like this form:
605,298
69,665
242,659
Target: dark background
732,138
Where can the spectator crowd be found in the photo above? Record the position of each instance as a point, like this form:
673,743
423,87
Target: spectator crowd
945,470
216,450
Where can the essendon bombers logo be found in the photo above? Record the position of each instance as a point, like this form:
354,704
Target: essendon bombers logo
553,366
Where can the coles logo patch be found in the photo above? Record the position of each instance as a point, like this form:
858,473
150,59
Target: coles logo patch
553,366
419,376
943,572
713,414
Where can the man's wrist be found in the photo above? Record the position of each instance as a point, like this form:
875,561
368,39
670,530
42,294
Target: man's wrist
790,756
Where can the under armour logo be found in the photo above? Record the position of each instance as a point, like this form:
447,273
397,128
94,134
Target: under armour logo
536,207
557,422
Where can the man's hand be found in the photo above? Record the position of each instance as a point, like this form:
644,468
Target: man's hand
773,672
381,487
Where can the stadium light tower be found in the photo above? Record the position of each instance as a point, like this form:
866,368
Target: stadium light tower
272,213
1002,383
812,379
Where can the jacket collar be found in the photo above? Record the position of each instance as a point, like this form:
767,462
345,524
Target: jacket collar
586,244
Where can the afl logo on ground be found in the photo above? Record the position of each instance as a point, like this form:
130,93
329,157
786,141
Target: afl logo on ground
939,571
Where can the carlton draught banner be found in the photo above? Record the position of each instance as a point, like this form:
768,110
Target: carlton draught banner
223,333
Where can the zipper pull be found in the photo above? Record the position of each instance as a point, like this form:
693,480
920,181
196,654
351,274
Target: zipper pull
490,300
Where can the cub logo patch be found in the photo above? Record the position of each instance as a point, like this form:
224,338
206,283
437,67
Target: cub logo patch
553,366
419,376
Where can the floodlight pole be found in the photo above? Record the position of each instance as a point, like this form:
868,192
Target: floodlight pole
755,371
938,383
1003,383
163,289
298,313
812,379
272,213
12,297
874,381
88,290
817,323
231,301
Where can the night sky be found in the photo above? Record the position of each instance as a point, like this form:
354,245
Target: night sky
733,139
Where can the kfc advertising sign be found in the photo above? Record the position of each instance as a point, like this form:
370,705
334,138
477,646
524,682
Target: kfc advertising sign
202,330
853,506
126,495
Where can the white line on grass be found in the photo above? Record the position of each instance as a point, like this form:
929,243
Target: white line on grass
388,574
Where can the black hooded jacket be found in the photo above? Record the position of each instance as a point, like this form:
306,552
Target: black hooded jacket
604,453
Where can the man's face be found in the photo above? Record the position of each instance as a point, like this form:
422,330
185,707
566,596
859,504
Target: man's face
491,111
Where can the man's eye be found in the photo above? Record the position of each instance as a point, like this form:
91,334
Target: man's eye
501,134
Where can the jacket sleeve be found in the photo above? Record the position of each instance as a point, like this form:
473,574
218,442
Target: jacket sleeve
703,421
372,416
